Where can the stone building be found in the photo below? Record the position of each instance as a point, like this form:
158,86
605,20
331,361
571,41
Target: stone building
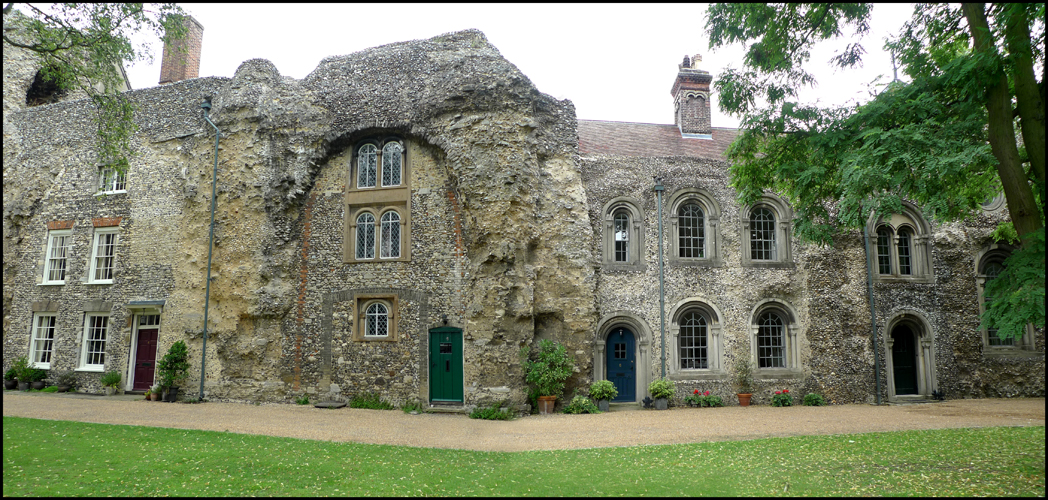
406,218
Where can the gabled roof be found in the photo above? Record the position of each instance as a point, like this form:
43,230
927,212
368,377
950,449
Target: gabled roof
648,139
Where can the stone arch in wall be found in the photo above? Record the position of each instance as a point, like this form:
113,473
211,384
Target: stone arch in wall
643,335
714,344
909,355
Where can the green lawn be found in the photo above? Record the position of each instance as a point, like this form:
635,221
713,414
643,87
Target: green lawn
43,457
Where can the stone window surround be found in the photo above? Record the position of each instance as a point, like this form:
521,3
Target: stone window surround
377,200
380,146
711,219
33,328
714,341
643,345
51,235
362,301
783,234
792,334
997,252
631,206
920,245
927,380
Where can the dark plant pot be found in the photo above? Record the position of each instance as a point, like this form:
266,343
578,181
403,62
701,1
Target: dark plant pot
23,386
39,384
10,384
744,399
662,403
171,395
603,404
64,388
546,404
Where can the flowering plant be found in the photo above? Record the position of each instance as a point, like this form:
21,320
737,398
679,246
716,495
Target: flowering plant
701,399
782,398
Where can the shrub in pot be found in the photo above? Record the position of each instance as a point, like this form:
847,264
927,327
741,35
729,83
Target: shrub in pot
10,379
36,377
603,391
111,380
661,390
173,369
548,372
23,372
65,380
743,378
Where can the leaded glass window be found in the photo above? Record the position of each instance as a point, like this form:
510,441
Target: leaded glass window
622,237
694,341
771,341
392,156
884,259
992,270
691,231
904,252
762,234
43,340
390,235
367,164
376,321
365,236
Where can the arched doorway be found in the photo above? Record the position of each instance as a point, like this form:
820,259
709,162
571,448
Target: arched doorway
621,363
904,360
623,338
909,356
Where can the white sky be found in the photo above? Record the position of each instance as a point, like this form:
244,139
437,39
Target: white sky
614,62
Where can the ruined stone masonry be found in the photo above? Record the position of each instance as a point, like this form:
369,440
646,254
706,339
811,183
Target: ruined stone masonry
406,218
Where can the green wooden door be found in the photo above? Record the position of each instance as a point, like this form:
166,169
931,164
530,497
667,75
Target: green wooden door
445,365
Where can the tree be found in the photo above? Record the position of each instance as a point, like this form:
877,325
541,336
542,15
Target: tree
945,140
83,47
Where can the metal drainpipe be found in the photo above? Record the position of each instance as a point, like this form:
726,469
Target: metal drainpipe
210,245
873,314
662,278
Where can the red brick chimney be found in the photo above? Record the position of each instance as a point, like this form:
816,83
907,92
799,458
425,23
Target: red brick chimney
691,100
179,64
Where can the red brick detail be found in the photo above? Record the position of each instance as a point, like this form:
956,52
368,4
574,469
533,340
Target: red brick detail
179,64
300,312
59,224
106,221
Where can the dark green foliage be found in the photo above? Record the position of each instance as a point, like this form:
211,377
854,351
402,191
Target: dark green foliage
10,374
110,379
303,400
1017,294
782,398
492,412
370,401
552,367
173,368
581,404
65,377
23,370
603,389
812,399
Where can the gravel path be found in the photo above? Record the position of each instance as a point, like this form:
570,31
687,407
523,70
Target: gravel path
552,432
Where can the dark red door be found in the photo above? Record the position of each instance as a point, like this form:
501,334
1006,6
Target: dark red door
145,358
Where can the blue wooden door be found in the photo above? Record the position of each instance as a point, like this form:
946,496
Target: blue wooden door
621,364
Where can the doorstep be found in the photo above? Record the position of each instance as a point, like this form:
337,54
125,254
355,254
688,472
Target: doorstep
623,406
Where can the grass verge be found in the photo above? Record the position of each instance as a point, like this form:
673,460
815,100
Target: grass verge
59,458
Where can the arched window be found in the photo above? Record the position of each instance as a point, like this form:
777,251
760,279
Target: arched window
622,236
992,270
988,266
691,232
365,236
905,266
390,235
762,234
693,341
884,249
367,163
376,320
902,246
771,341
391,163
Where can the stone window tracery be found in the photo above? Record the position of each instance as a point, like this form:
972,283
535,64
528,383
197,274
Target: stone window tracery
378,185
623,235
391,163
376,320
766,234
902,246
367,163
390,235
694,237
365,236
774,339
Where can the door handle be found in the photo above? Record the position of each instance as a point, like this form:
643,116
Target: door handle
448,366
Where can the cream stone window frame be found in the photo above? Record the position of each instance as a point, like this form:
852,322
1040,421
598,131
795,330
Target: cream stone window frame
96,334
790,332
379,163
111,180
990,257
56,256
908,230
102,266
714,340
755,231
627,239
711,213
389,192
42,338
371,309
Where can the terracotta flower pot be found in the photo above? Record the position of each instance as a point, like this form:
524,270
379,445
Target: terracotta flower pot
744,399
546,404
154,396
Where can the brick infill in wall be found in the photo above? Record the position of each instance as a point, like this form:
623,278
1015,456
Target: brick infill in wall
304,273
106,221
59,224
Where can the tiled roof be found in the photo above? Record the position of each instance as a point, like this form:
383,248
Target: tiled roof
648,139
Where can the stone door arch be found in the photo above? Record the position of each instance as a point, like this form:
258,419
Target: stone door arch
608,325
909,356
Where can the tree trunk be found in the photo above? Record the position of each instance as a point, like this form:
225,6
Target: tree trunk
1017,191
1028,99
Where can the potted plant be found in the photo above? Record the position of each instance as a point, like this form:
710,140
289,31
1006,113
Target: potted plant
662,390
154,392
603,391
173,369
65,380
23,371
36,378
111,380
744,381
548,372
10,379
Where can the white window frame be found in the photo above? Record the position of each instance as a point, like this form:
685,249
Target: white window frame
87,361
35,349
52,236
111,181
93,268
368,315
